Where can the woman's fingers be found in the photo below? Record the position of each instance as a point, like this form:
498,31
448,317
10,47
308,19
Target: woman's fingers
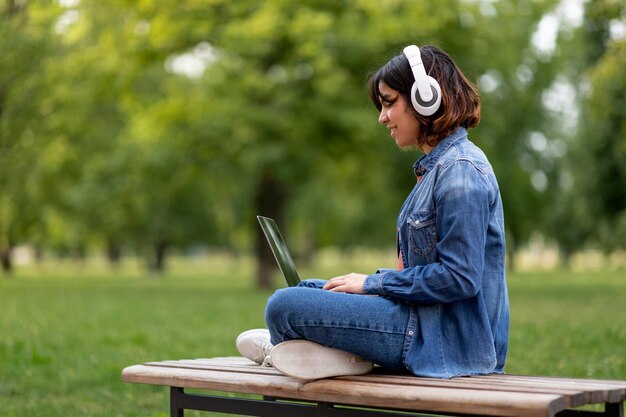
351,283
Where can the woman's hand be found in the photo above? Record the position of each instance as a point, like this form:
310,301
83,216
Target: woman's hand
352,283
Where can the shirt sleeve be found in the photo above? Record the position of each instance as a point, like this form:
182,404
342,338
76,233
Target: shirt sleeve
462,208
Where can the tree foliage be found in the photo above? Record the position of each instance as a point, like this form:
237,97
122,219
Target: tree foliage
590,207
157,125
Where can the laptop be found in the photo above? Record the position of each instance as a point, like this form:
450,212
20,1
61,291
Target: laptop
279,249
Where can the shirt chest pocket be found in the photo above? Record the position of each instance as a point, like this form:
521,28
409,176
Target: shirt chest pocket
422,233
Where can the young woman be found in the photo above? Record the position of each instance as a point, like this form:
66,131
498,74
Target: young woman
444,312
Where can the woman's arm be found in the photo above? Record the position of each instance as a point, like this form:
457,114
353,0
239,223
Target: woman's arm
463,196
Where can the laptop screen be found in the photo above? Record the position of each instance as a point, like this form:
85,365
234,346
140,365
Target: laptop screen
280,251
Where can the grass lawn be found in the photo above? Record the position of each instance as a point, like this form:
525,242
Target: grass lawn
66,334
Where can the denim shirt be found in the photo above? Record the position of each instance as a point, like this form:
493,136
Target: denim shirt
450,233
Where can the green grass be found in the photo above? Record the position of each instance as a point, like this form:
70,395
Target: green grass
66,333
568,324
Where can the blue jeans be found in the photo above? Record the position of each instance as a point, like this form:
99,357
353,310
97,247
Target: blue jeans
370,326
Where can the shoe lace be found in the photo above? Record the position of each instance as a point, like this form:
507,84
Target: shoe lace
266,347
267,361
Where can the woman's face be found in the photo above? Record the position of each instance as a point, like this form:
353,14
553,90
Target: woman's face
397,116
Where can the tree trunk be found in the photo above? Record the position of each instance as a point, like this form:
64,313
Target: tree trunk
269,202
157,264
38,253
114,253
6,259
2,103
565,256
12,8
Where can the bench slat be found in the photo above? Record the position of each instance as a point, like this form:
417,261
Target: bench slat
603,390
577,392
363,393
573,398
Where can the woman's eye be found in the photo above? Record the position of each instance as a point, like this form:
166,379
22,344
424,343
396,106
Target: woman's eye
388,102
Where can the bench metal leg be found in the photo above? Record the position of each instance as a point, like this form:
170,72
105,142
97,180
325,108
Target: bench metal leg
610,410
176,406
614,409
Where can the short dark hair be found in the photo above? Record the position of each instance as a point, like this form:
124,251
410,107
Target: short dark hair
460,101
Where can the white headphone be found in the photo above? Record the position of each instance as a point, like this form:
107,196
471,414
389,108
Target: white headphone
426,92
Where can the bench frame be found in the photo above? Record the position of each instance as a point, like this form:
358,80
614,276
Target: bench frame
276,407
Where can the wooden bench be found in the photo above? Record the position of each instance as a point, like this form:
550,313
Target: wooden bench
374,394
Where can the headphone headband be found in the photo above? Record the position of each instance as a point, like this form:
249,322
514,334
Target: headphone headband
414,56
425,92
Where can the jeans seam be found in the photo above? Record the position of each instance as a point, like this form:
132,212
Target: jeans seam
334,326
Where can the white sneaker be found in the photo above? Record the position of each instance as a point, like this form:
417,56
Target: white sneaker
254,344
306,360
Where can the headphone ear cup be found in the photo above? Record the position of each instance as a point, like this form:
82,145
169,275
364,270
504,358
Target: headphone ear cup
430,107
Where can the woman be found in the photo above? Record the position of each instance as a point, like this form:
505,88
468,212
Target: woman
444,312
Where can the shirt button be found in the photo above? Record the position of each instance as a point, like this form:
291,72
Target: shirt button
410,332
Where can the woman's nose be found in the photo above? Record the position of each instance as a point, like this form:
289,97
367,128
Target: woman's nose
382,118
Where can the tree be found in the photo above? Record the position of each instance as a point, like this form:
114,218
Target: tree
165,124
24,51
296,74
127,134
589,208
495,46
601,149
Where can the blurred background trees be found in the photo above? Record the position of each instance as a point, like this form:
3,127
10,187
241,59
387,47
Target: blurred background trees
152,126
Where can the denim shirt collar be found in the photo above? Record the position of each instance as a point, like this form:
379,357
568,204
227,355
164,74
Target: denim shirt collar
427,161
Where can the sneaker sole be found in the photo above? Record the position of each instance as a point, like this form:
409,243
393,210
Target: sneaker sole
307,360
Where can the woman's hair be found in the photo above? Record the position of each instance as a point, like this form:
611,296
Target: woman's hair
460,101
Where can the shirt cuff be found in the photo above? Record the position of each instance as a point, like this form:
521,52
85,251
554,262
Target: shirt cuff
374,284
